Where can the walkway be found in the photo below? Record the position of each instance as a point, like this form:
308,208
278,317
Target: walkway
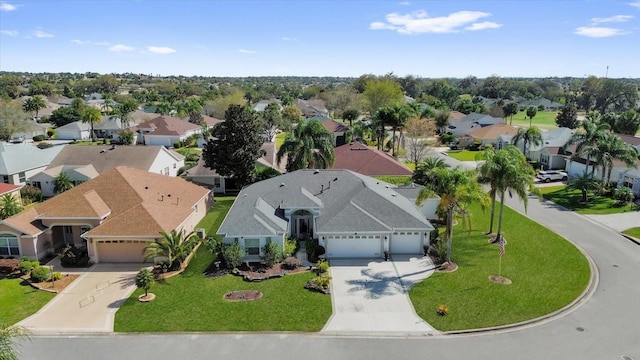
618,222
371,296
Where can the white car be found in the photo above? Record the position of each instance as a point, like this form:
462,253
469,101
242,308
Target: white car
552,175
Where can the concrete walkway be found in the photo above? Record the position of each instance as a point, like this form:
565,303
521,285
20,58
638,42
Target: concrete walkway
88,304
618,222
372,296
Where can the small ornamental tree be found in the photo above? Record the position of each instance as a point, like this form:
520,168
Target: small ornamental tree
232,255
623,195
272,253
144,279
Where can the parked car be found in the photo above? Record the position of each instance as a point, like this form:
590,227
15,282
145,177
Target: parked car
552,175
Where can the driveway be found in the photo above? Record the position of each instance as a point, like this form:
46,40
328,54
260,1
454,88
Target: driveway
372,295
89,303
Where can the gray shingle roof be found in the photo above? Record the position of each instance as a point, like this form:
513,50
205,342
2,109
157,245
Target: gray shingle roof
346,202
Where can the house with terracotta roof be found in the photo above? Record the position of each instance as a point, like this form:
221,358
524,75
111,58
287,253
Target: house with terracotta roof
336,128
164,130
114,216
365,160
350,214
83,163
488,135
19,162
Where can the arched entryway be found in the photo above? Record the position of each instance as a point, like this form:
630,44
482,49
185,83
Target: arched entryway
302,224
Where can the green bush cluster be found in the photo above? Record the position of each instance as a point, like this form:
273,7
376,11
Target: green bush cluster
26,266
290,247
40,274
57,275
232,255
74,257
271,253
38,138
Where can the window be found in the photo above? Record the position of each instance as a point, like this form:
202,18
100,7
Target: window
5,179
22,176
9,245
36,184
166,170
252,246
544,158
216,182
68,229
628,182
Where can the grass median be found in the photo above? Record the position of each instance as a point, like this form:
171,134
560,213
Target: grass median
547,273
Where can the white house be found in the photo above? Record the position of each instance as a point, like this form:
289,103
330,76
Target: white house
164,131
76,130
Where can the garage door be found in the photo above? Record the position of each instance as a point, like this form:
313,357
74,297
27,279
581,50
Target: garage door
406,243
121,251
353,246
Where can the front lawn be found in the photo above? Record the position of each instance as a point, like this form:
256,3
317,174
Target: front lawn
547,273
542,120
465,155
19,300
193,302
572,199
635,232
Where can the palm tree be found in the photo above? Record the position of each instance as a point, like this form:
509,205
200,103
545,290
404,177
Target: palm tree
34,104
584,183
62,182
441,117
91,116
309,145
144,280
174,246
529,136
587,137
9,206
350,115
457,188
123,114
423,174
611,148
7,334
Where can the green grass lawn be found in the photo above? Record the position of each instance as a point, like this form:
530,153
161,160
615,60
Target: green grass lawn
19,300
410,165
193,302
572,199
635,232
395,180
280,139
543,119
547,273
464,155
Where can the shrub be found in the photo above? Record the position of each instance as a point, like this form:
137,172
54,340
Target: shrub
323,281
38,138
322,266
447,138
232,255
40,274
44,145
25,266
214,245
310,246
290,246
57,275
623,195
271,253
50,132
31,193
177,144
72,256
290,263
144,279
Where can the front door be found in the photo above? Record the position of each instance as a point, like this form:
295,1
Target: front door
302,228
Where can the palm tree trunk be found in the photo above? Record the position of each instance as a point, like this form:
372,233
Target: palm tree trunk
499,234
604,169
393,142
586,165
524,148
449,231
493,210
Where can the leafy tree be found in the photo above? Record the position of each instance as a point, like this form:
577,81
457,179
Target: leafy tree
144,280
291,115
271,253
423,174
174,246
235,147
217,108
64,115
587,137
531,113
91,116
264,173
126,136
9,206
272,119
627,123
529,136
62,183
509,109
418,133
350,115
467,106
382,92
34,104
396,116
457,188
568,116
40,87
343,99
584,183
309,145
7,346
441,118
623,195
232,255
122,112
12,119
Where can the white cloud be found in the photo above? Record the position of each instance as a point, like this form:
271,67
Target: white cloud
245,51
617,18
404,3
7,7
483,26
635,4
161,50
81,42
419,22
598,32
285,38
9,32
120,48
42,34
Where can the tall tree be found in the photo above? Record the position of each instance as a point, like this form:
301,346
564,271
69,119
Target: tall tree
91,116
235,145
291,115
457,188
308,146
350,115
531,113
611,148
441,118
272,119
34,104
175,246
568,116
9,206
62,183
382,92
12,119
509,109
418,131
423,174
628,122
529,136
587,137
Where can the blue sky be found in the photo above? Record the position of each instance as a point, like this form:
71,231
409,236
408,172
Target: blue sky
323,37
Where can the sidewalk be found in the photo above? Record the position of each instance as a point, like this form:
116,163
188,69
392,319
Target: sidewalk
618,222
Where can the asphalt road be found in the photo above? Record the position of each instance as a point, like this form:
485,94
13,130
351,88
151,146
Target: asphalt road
605,326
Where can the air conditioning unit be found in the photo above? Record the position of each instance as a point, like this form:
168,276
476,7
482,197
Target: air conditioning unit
201,233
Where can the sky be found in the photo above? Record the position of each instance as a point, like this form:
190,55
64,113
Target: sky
433,39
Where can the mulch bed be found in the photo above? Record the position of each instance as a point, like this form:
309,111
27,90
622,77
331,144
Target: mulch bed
53,286
254,272
243,295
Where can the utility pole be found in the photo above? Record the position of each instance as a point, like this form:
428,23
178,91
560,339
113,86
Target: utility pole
606,74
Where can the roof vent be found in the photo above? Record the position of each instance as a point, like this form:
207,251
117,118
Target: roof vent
316,171
281,184
103,150
336,179
146,188
394,194
387,186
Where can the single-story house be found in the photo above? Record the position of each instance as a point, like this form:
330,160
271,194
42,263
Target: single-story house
538,103
365,160
76,130
463,126
488,135
312,107
164,130
83,163
12,190
19,162
351,215
114,216
336,128
576,166
551,153
630,178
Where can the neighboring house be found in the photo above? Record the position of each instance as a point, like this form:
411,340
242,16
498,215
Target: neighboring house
114,215
576,166
76,130
164,130
262,104
13,191
463,126
540,103
364,160
201,174
83,163
19,162
488,135
60,100
312,108
630,178
35,130
551,153
350,214
111,127
337,129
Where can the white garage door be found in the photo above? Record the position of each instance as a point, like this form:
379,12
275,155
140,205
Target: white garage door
121,251
405,243
353,246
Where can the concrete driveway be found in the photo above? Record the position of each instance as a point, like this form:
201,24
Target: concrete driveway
89,303
372,296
